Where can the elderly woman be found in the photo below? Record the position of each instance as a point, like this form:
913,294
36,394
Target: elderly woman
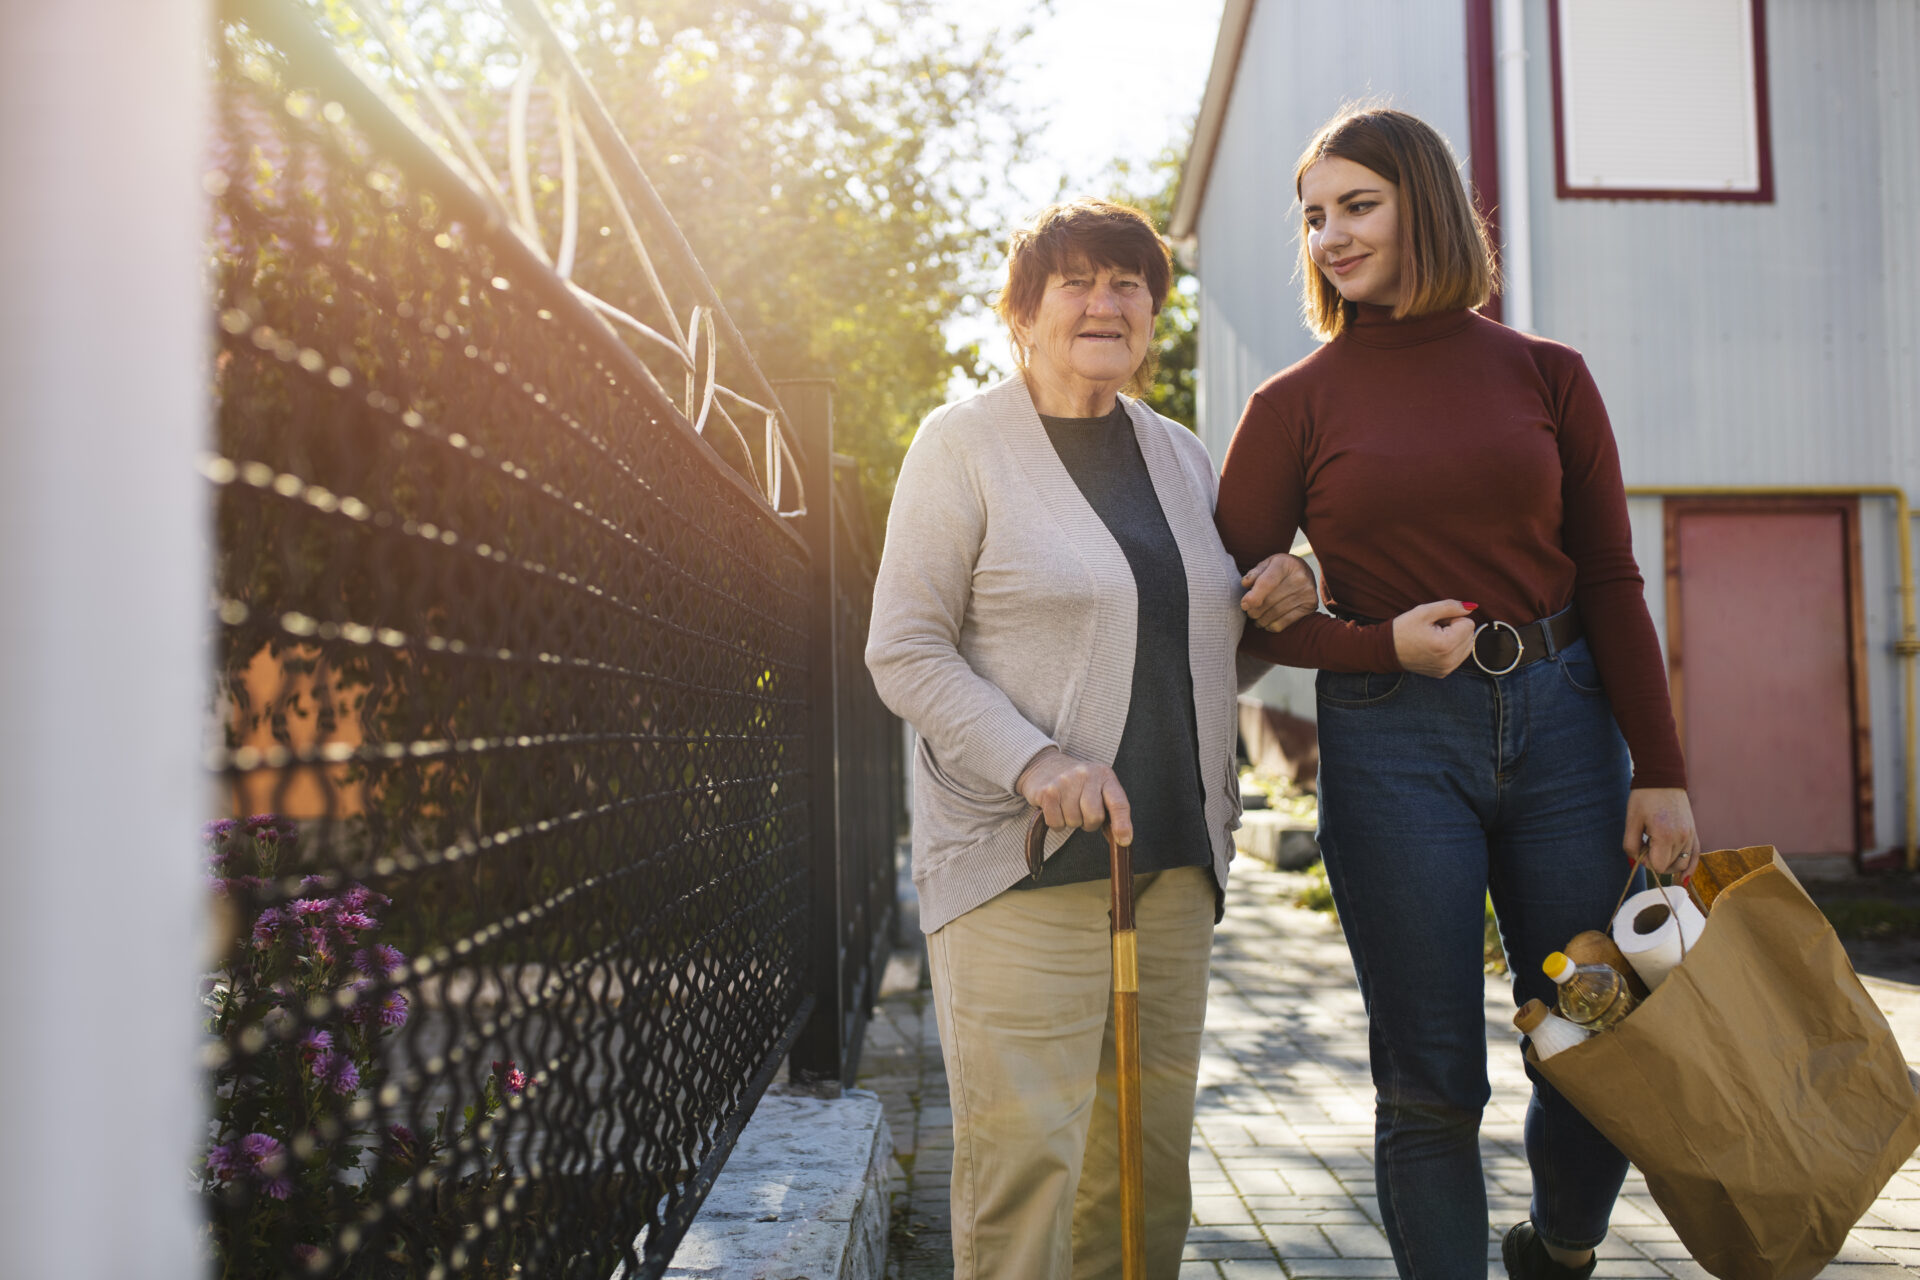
1057,617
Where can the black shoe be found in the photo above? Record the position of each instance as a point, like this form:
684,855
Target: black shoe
1528,1259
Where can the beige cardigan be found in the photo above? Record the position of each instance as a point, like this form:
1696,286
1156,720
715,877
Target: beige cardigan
1004,618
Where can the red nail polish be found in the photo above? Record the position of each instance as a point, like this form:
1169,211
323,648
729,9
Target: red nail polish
1468,605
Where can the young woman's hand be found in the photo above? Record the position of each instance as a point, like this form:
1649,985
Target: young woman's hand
1433,639
1076,793
1660,830
1280,592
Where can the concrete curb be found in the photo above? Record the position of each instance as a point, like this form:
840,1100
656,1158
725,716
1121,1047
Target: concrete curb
803,1197
1279,840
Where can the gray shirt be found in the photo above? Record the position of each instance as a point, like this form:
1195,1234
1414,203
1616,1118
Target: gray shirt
1157,763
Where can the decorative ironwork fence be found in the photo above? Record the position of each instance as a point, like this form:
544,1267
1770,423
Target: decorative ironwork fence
525,681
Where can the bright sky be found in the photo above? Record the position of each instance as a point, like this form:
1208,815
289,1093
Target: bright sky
1114,79
1103,80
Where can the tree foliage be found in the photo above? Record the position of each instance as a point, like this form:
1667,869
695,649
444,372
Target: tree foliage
826,177
829,173
1176,331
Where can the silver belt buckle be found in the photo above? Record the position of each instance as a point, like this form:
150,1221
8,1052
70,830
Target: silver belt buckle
1519,648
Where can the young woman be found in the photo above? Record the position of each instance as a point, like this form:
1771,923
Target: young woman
1487,669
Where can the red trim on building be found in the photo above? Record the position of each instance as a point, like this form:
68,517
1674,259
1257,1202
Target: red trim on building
1483,127
1763,122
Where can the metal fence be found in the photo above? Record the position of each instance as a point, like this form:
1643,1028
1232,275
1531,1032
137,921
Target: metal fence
529,887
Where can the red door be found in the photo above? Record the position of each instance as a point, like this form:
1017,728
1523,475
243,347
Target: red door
1762,651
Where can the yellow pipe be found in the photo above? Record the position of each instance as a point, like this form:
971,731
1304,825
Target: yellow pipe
1907,646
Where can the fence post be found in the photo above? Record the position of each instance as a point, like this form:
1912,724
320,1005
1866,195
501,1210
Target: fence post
103,615
819,1058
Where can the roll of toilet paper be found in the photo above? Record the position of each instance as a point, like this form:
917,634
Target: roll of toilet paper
1651,927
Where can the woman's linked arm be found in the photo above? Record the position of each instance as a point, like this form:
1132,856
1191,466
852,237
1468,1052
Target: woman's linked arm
920,601
1262,496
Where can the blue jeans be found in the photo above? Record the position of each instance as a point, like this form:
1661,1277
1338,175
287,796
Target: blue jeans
1433,793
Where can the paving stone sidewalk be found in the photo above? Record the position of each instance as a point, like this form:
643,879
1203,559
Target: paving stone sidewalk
1283,1143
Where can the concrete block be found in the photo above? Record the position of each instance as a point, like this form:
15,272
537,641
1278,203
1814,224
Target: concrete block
803,1197
1278,839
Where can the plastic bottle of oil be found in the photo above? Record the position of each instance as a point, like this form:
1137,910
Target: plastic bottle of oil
1547,1033
1591,995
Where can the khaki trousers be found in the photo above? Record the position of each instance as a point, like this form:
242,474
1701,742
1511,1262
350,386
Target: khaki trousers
1022,989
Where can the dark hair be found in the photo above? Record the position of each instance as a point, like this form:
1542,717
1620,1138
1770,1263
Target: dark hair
1099,233
1446,256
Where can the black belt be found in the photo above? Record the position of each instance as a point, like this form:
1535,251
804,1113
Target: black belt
1500,647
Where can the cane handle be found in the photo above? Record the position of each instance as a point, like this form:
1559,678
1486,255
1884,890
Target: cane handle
1037,842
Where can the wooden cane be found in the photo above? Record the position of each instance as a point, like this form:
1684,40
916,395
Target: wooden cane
1126,1042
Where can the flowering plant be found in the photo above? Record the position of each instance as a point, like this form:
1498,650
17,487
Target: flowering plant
299,1007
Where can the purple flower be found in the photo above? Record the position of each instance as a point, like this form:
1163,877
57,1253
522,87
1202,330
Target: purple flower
511,1077
266,927
223,1162
270,826
337,1072
257,1157
358,898
389,1011
267,1165
315,1043
379,962
352,921
401,1141
316,940
218,830
310,906
393,1009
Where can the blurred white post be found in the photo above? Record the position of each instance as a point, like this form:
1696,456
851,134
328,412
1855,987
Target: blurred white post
103,606
1516,201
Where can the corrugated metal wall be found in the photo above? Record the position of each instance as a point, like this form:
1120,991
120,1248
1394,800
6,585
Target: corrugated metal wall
1897,41
1766,344
1745,343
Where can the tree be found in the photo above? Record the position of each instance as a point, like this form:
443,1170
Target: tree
833,175
1176,331
828,178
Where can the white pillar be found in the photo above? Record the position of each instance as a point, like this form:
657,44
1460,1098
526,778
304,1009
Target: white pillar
1516,197
103,589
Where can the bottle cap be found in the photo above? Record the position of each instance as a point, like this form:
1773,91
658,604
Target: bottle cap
1531,1015
1557,966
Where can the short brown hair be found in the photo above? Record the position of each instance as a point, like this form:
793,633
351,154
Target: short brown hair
1445,252
1100,233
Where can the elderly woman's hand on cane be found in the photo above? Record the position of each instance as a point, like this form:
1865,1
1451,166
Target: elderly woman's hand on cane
1076,793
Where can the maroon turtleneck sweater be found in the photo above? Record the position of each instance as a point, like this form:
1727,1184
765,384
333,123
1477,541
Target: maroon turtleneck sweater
1449,457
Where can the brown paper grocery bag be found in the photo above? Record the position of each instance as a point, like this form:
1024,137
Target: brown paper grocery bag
1759,1088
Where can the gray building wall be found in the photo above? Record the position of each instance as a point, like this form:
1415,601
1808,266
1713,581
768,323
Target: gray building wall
1751,343
1766,344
